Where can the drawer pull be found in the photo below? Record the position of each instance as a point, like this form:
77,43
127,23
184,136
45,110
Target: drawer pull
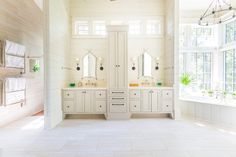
117,92
68,94
84,92
118,104
100,94
68,106
135,106
118,98
135,94
100,106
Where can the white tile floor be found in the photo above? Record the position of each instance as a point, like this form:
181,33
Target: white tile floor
100,138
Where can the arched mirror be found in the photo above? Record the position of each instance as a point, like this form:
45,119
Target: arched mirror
89,66
145,65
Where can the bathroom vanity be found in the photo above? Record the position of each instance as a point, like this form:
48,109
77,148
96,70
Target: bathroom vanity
140,100
116,100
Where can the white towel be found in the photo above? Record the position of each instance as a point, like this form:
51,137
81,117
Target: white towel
12,48
14,62
15,97
15,84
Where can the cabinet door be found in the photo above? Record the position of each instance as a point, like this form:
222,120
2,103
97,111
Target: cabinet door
80,95
146,101
88,101
122,60
134,105
112,59
154,100
68,106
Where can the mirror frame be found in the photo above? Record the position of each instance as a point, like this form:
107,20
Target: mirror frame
95,77
140,63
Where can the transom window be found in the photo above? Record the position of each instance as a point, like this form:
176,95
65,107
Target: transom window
99,27
153,27
81,28
230,70
135,27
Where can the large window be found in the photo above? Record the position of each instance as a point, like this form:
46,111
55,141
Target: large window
230,32
199,66
194,36
230,70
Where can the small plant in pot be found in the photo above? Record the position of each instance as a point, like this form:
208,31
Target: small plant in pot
224,94
210,93
234,95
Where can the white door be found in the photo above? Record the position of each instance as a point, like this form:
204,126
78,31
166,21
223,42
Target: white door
154,100
88,101
80,101
146,101
122,60
112,59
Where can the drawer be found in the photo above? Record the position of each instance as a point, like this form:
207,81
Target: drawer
117,99
100,94
118,107
167,94
118,93
134,94
134,106
68,106
167,106
101,106
68,94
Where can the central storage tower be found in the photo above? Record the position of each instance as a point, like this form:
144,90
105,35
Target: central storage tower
118,107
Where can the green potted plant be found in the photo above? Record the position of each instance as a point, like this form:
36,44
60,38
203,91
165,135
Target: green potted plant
36,67
186,79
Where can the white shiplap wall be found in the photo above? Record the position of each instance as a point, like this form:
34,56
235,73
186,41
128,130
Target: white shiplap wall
22,22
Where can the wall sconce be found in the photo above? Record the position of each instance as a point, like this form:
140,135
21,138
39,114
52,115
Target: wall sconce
100,60
133,61
77,64
157,63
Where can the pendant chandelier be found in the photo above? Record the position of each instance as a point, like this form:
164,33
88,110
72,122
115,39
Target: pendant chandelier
219,11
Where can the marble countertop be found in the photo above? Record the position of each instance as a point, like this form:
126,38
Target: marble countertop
104,88
147,87
84,88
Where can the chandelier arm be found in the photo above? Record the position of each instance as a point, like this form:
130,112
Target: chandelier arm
207,15
208,8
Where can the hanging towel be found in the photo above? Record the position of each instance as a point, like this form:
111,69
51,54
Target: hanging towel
12,48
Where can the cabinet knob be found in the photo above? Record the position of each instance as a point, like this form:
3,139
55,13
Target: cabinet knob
134,93
100,106
68,94
135,106
100,94
68,106
167,105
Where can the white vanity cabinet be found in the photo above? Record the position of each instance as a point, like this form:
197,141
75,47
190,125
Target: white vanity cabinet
151,100
84,101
